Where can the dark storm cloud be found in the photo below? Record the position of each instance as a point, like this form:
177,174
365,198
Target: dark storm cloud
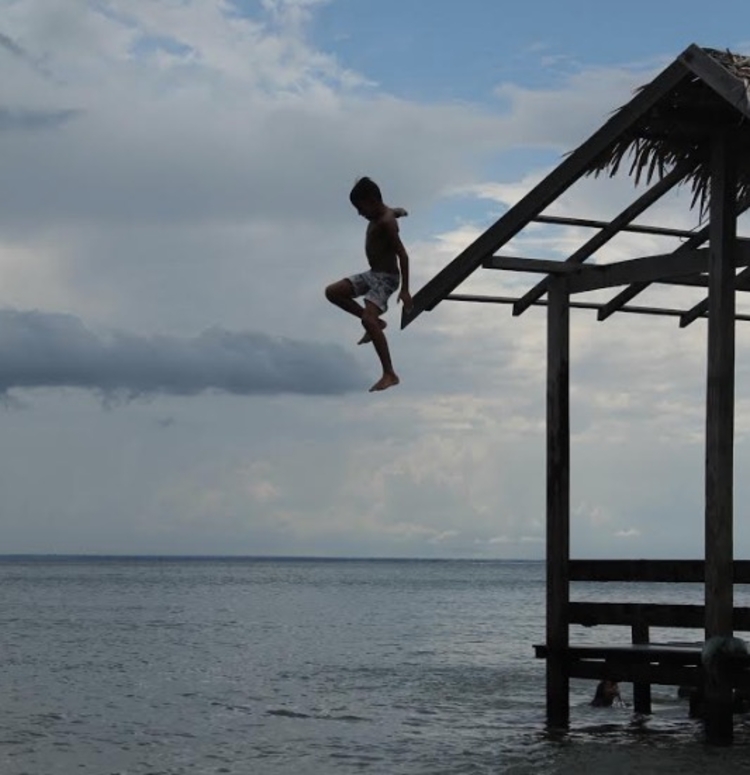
21,118
54,350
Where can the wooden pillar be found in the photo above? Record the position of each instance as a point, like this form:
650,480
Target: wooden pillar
558,503
720,423
641,690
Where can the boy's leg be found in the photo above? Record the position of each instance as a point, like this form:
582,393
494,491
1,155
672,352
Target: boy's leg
380,287
341,294
371,322
366,336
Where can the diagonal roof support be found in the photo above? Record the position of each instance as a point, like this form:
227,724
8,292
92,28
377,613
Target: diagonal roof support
667,183
542,195
701,308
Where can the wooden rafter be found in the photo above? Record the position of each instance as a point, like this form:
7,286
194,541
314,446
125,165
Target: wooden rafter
637,228
635,310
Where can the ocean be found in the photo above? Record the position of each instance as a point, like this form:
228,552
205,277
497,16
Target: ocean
146,666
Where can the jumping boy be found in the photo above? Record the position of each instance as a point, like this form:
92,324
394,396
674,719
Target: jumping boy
385,254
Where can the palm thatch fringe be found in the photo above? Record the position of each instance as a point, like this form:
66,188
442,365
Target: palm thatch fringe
677,131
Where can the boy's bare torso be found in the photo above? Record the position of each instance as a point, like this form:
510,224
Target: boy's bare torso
379,245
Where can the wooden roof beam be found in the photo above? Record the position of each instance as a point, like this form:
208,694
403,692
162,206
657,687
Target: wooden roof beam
592,277
549,266
533,265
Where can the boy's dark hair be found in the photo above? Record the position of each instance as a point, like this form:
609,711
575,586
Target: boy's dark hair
365,188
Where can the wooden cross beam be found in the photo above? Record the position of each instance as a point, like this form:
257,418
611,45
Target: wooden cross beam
547,266
649,269
534,265
662,267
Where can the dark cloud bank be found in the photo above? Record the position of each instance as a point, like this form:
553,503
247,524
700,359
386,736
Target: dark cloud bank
54,350
23,119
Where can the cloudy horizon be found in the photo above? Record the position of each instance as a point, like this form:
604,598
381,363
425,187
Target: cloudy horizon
174,200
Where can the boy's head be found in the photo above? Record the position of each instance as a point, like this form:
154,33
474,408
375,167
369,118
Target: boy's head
366,198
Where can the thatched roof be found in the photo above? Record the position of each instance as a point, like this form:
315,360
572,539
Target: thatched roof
678,129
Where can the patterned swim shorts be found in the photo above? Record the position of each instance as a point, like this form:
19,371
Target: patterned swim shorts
375,286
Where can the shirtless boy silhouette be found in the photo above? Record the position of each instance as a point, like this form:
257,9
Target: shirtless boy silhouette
386,254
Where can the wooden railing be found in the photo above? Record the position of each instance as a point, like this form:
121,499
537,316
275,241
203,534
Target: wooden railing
640,617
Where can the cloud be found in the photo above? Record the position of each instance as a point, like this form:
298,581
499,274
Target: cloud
20,118
19,52
10,45
55,350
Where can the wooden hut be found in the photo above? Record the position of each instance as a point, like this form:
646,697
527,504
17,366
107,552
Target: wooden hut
690,125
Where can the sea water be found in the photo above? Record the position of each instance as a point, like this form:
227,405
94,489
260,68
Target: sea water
289,666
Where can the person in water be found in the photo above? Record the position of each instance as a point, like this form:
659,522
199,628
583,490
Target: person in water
606,693
389,268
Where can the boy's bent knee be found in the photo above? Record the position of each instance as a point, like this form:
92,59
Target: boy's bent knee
339,290
333,293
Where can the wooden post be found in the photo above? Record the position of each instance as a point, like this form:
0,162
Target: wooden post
558,503
641,691
720,423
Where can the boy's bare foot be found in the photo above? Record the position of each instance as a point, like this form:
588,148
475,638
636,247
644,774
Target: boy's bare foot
386,381
367,338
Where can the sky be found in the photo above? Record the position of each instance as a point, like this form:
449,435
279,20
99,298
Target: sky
174,179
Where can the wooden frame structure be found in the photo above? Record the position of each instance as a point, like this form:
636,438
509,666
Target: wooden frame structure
693,120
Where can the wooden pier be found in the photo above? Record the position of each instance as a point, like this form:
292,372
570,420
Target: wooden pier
690,125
